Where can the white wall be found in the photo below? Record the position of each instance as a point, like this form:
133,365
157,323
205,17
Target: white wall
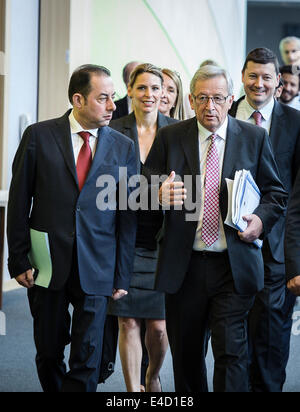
22,72
22,69
178,34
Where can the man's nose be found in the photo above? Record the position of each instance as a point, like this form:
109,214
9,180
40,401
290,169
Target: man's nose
259,82
210,103
287,87
111,105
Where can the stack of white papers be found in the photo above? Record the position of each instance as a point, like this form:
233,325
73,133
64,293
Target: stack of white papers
243,198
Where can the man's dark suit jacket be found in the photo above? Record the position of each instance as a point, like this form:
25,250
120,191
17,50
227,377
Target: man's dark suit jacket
247,147
285,140
292,233
121,108
44,177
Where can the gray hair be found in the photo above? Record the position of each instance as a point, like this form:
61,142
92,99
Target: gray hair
209,72
289,39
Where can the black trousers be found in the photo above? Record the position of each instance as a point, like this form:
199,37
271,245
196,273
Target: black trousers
52,324
207,301
270,323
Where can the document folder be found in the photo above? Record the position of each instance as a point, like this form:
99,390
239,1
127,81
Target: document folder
40,257
243,198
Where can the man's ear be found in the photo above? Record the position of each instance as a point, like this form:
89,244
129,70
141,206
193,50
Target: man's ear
243,76
191,99
278,79
230,101
78,100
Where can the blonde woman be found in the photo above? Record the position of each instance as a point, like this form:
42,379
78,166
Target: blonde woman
171,103
143,304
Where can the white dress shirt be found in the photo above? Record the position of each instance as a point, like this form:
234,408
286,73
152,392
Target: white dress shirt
129,104
204,142
295,103
245,112
77,141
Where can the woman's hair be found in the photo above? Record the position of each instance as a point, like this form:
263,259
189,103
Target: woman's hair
176,112
145,68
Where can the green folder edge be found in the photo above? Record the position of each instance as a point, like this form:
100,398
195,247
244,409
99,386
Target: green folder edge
40,257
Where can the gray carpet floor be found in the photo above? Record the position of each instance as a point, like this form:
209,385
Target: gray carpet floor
17,352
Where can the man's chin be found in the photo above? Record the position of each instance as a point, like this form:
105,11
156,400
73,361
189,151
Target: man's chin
286,99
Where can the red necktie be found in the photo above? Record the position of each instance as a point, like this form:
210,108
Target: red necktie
84,160
257,116
210,226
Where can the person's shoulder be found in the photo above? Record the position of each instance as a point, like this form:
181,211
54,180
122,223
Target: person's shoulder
121,122
119,137
41,128
288,111
178,125
245,129
234,122
171,120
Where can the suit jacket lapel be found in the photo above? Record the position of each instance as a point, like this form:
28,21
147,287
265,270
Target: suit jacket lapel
277,127
130,130
231,154
231,157
63,139
190,145
104,143
161,121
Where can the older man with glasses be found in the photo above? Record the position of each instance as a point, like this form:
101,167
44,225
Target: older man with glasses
210,272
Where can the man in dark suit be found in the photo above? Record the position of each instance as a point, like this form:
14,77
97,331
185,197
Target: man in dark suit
270,320
123,106
291,86
292,240
210,271
56,191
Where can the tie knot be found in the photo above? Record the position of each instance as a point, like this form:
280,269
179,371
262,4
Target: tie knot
257,116
213,137
85,136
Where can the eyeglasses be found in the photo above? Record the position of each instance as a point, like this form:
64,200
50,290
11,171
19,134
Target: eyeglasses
217,100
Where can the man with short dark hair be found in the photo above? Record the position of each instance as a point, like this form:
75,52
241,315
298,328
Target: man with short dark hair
291,86
54,197
270,319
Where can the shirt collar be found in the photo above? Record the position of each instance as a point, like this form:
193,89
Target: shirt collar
76,128
205,134
266,111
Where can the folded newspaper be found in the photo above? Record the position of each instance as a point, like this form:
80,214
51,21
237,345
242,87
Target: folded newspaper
243,198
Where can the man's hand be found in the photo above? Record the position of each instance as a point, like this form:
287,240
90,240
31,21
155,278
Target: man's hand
172,193
26,279
294,285
118,294
254,229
